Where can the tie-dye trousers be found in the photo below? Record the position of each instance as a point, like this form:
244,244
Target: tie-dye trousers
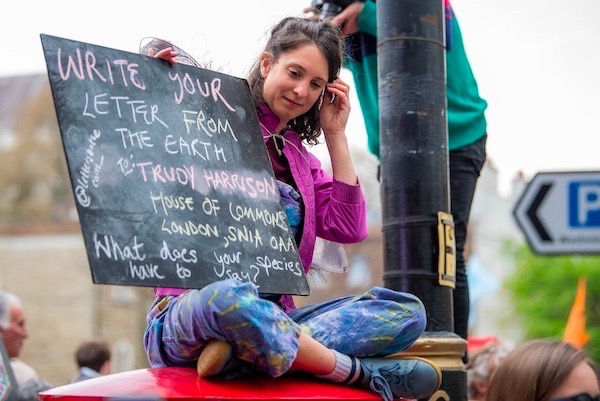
377,323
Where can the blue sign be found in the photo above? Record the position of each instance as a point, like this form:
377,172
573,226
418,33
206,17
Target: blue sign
584,204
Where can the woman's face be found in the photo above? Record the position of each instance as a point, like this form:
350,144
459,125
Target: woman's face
581,380
294,82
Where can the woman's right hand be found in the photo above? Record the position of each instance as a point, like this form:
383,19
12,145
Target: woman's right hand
166,54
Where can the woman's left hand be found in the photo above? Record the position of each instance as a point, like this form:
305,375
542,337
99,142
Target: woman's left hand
334,114
334,117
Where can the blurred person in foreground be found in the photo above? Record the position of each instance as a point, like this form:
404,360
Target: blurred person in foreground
14,333
93,360
30,390
545,370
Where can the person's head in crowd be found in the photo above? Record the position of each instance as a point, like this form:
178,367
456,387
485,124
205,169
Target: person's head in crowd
12,324
483,362
545,370
29,390
94,354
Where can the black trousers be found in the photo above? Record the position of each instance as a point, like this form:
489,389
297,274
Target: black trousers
465,166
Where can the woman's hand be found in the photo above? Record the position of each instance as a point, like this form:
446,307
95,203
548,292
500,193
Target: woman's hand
335,109
166,54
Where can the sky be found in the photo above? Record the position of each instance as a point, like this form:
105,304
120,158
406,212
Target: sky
537,62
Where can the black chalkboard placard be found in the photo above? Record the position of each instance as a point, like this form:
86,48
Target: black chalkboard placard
170,174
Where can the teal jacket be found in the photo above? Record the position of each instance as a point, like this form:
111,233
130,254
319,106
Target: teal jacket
466,119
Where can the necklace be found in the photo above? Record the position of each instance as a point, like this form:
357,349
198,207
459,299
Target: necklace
283,140
274,136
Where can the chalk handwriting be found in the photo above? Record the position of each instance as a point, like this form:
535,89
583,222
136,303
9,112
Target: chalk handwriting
210,206
137,139
177,255
190,228
97,170
222,269
228,258
107,246
232,182
267,264
144,271
168,202
139,109
208,125
170,176
192,86
84,172
195,147
266,217
282,244
125,165
243,234
183,175
182,271
86,67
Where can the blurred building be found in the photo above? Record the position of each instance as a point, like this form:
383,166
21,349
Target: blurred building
42,255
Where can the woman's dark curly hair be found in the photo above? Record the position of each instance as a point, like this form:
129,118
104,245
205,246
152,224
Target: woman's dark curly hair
290,34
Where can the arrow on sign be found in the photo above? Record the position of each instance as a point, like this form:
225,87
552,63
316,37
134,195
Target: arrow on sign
559,212
532,213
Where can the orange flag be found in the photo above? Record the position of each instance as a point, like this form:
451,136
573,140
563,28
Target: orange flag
575,333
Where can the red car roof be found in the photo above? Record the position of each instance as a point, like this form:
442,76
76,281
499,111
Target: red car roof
162,384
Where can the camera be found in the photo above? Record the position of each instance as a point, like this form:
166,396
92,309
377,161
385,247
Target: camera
327,9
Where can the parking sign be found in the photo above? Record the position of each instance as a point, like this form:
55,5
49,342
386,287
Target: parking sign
559,213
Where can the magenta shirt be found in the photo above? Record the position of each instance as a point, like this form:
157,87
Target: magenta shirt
333,210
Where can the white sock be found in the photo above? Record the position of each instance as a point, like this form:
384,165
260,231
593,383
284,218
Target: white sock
347,369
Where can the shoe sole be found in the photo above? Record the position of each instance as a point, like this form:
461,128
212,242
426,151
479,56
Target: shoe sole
213,358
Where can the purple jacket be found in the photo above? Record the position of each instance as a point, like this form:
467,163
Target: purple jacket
333,210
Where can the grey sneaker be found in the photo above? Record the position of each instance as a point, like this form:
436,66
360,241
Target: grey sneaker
407,377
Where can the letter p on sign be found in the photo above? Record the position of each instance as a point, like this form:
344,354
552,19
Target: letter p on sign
584,204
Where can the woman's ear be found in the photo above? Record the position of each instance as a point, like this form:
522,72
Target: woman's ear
266,59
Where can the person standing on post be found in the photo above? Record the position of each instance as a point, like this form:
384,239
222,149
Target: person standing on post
228,327
467,127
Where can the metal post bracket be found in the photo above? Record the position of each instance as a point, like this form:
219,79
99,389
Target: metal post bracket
446,250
